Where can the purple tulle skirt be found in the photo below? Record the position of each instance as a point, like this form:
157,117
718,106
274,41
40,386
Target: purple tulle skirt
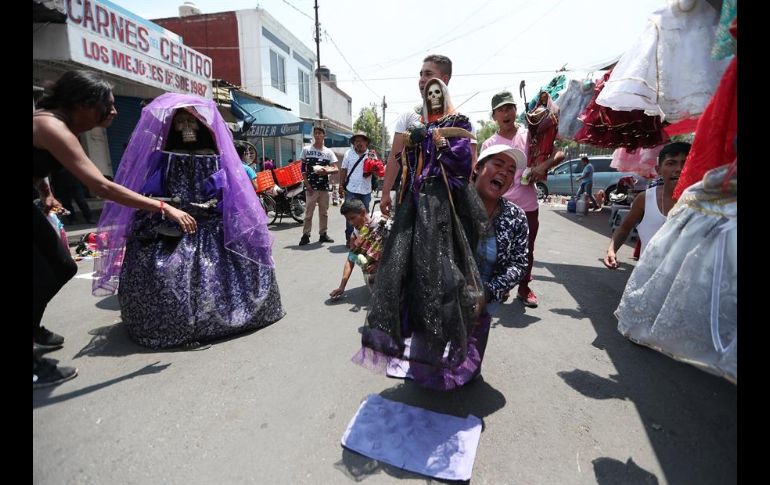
176,289
429,376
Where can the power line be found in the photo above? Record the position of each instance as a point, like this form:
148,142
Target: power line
328,35
519,33
393,62
298,10
348,63
395,78
472,30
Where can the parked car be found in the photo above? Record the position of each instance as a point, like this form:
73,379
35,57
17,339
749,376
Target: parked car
605,178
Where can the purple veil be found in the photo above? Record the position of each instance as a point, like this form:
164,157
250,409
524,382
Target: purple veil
245,222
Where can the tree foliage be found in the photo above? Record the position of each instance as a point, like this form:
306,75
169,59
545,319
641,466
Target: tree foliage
488,128
370,123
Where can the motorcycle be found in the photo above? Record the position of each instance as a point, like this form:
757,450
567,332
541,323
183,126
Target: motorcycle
622,193
282,201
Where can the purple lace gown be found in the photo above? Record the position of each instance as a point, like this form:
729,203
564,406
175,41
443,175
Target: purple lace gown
176,288
180,289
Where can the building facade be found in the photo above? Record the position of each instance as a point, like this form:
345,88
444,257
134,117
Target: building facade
141,59
274,70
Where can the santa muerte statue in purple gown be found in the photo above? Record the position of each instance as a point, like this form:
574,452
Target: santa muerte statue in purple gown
428,292
180,289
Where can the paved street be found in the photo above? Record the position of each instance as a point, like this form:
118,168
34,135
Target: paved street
564,398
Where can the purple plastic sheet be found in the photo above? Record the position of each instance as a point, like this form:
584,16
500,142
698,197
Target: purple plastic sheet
414,439
245,222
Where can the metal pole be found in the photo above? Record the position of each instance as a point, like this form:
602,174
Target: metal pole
263,151
384,141
318,57
571,186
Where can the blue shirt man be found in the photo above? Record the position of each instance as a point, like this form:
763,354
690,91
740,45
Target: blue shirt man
587,182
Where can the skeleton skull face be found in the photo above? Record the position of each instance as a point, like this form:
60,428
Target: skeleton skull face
187,124
435,98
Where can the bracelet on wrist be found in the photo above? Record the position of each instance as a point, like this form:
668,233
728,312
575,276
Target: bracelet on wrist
162,210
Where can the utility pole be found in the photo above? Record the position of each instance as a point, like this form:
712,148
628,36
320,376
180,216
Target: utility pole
318,57
384,141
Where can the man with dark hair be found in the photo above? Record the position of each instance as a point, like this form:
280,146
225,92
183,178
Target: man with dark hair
318,162
587,184
650,211
241,150
433,66
354,183
364,227
443,63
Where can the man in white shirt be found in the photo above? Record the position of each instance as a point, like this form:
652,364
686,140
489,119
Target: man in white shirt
353,183
433,66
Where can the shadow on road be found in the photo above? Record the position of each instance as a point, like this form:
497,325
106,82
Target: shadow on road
337,249
569,312
682,408
42,397
286,225
598,222
357,467
593,386
512,314
306,247
358,298
110,341
109,303
609,471
114,341
478,398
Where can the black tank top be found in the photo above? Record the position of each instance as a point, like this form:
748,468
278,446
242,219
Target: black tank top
43,163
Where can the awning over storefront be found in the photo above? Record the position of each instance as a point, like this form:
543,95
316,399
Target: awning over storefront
260,119
332,139
337,139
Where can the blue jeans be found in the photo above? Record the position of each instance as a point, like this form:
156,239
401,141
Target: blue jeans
365,198
587,187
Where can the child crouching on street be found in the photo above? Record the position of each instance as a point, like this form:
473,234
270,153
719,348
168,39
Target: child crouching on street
366,243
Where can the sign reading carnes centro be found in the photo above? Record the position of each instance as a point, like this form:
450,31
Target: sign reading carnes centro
110,38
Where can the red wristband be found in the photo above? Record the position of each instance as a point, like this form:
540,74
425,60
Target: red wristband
162,211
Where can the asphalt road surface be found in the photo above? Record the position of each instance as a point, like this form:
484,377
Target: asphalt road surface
564,398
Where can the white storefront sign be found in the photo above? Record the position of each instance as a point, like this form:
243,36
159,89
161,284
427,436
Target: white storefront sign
110,38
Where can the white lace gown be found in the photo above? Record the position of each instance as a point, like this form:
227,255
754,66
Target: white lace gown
669,70
681,298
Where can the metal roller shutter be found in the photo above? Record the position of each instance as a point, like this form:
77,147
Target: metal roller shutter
119,132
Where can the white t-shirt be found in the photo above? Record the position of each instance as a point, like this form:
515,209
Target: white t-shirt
312,156
358,183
